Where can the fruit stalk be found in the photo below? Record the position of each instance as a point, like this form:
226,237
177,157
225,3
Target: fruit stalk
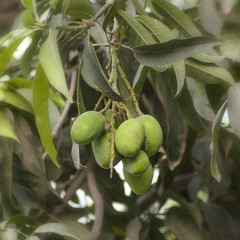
112,139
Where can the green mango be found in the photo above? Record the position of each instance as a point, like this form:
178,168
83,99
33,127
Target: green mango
139,184
102,151
87,127
129,137
136,165
153,133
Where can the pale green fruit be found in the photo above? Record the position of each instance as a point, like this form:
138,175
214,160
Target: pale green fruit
139,184
137,164
102,151
153,133
129,137
87,127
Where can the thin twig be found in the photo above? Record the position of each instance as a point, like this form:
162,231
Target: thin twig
67,106
98,200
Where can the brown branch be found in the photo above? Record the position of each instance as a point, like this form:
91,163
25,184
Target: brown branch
78,181
98,200
67,106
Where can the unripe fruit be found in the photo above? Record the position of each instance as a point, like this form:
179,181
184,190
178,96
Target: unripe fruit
153,133
87,127
129,137
136,165
102,151
139,184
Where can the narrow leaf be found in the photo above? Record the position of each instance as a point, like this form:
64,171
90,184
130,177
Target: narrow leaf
6,129
213,146
208,74
180,72
32,238
139,78
51,62
234,108
208,58
176,17
57,228
136,34
40,107
29,5
9,234
76,156
200,99
155,55
96,74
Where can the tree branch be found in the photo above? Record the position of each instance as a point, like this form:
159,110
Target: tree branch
98,200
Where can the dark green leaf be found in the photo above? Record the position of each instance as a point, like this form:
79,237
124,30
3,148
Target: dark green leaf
51,62
155,55
96,74
200,99
139,78
40,107
208,74
58,228
176,17
136,34
213,147
234,107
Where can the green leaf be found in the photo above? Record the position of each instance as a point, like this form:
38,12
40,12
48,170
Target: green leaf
8,52
51,62
209,17
18,101
96,74
40,107
155,55
176,17
161,32
9,234
180,72
6,157
213,146
208,58
139,7
208,74
32,238
136,34
81,9
234,108
140,78
20,83
29,5
76,156
57,228
200,99
6,129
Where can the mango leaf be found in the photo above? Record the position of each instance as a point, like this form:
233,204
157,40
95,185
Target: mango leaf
136,34
32,238
208,58
180,72
200,99
6,157
139,7
213,146
78,9
177,49
234,107
20,83
40,107
176,17
51,62
8,52
209,14
29,5
9,234
208,74
57,228
17,100
75,156
157,28
140,78
96,74
6,129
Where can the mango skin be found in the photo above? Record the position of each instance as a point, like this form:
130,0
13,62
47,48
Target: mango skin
102,151
139,184
153,133
129,137
136,165
87,127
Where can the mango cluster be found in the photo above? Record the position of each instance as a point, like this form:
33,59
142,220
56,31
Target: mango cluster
135,141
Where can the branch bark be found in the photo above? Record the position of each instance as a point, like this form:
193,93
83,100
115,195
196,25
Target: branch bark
98,200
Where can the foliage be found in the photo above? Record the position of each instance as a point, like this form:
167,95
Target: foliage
179,64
